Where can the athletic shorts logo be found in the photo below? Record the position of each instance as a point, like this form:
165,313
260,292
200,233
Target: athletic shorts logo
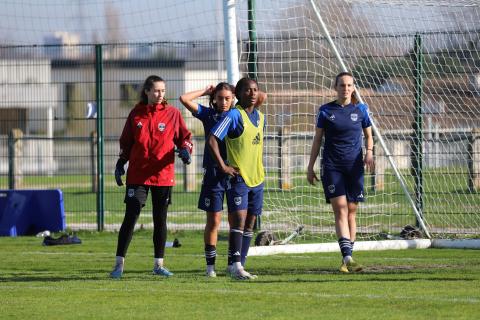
161,126
131,193
354,117
331,188
237,200
207,202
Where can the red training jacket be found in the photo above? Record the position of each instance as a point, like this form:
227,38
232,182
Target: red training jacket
148,139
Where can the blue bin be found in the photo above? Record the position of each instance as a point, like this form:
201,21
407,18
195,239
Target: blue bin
27,212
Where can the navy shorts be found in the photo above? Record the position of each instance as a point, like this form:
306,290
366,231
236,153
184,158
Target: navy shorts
213,190
242,197
343,180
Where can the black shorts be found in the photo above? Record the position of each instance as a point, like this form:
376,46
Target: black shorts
161,196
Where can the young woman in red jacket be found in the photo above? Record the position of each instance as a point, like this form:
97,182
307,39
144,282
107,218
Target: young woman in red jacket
151,132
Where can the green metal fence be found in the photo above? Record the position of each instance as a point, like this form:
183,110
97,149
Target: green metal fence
50,138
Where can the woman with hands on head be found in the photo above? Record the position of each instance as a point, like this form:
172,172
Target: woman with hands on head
221,98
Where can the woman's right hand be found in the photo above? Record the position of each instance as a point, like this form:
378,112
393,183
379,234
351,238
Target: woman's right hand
231,171
311,176
209,90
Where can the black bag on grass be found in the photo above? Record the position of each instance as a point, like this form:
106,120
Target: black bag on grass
63,239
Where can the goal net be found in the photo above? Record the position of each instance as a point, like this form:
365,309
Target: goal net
416,65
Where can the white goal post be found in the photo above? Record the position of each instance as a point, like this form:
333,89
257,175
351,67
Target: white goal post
416,65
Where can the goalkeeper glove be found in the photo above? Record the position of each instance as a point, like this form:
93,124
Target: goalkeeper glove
119,171
185,156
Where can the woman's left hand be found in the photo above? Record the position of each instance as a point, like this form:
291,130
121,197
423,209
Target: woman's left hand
369,162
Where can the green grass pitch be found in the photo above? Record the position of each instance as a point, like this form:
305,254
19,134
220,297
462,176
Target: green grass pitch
71,282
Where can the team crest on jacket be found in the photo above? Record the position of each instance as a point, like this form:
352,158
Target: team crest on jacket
237,200
354,117
139,124
332,117
161,126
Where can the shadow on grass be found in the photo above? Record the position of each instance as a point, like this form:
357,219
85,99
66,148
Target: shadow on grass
265,275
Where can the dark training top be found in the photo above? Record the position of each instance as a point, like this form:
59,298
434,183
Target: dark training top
343,127
210,117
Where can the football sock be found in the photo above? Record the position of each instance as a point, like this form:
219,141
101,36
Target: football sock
119,260
246,240
230,260
210,254
345,246
158,262
210,268
235,242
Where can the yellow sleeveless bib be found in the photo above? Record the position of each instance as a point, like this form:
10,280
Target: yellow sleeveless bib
246,151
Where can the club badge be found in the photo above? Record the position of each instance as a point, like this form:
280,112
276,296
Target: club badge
139,125
161,126
354,117
237,200
331,188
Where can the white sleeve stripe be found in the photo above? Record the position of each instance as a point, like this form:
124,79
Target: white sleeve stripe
222,126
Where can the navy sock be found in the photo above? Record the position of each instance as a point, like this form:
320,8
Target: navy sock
345,246
235,243
229,258
210,254
246,240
